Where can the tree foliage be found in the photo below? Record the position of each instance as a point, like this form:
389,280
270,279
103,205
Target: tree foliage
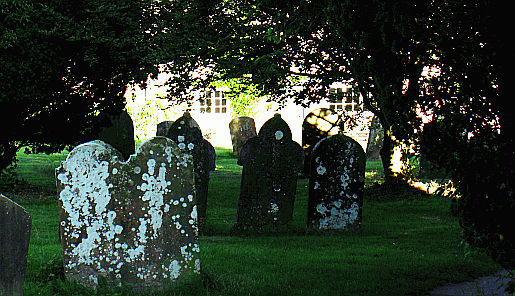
385,47
65,66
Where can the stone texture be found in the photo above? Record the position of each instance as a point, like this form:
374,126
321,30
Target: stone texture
241,128
120,134
271,162
162,128
15,224
133,221
336,185
319,124
186,132
375,141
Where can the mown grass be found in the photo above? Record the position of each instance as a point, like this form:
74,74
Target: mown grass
406,246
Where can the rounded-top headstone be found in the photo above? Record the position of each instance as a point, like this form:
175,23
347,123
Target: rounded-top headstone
336,185
188,136
271,162
317,125
241,128
276,129
185,127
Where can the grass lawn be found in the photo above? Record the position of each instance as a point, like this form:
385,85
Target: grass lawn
408,244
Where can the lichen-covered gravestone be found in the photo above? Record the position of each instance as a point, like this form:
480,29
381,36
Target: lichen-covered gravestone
271,162
242,128
15,224
187,134
162,128
336,184
119,133
319,124
133,222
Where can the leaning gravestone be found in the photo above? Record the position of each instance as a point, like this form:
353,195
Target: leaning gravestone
162,128
119,133
186,132
241,128
133,222
319,124
271,162
336,185
15,224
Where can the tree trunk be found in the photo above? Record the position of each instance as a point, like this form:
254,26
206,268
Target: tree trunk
391,154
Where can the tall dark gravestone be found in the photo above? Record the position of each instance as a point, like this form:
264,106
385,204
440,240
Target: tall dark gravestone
187,134
336,185
15,224
120,134
241,128
271,162
132,222
319,124
162,128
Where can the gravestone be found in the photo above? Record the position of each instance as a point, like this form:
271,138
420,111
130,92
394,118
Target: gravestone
271,162
336,184
241,128
15,224
375,140
133,222
162,128
119,133
186,132
319,124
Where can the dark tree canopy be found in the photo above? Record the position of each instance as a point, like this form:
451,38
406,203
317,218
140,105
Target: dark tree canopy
62,64
383,47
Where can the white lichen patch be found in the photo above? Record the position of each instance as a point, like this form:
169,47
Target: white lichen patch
321,170
335,217
279,135
317,185
84,196
191,146
274,208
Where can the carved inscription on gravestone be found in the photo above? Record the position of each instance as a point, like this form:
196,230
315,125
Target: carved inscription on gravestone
187,134
15,224
336,184
241,128
319,124
271,162
133,222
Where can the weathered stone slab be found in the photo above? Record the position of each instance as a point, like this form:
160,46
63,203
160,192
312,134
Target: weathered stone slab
162,128
336,185
271,162
133,222
15,224
242,128
186,132
120,134
319,124
375,140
